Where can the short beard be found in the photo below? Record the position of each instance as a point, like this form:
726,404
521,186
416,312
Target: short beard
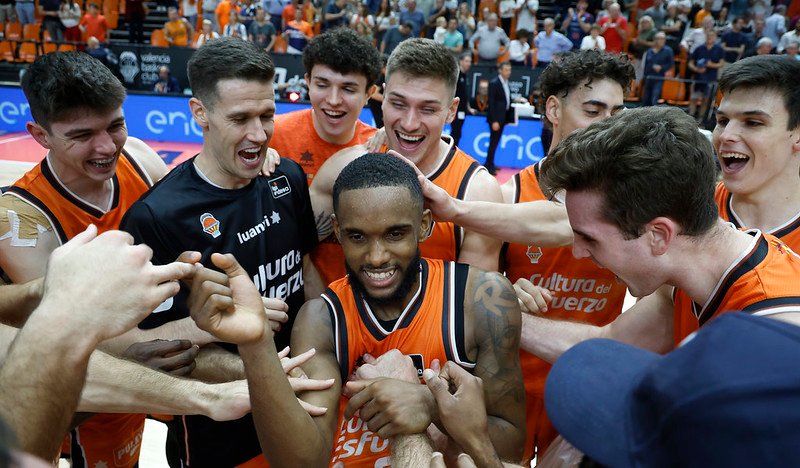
410,275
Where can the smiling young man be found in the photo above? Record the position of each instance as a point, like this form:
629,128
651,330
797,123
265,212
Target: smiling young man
217,202
392,299
757,142
419,99
640,199
341,71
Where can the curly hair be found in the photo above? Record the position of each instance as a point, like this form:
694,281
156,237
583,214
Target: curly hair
344,51
58,83
575,68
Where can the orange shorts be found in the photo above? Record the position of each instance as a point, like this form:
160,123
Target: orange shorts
111,440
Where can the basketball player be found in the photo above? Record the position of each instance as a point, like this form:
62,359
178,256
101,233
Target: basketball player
419,99
757,144
217,201
429,309
640,198
341,71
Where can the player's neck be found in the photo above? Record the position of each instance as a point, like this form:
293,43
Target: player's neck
770,208
702,261
389,311
431,160
342,139
92,191
208,169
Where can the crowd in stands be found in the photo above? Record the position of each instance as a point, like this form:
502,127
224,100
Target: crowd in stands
678,47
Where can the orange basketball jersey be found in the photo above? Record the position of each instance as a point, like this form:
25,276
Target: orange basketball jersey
762,281
110,440
789,233
295,138
582,292
431,327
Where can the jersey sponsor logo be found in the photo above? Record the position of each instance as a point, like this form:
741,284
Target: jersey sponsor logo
356,440
582,288
258,229
280,187
534,253
210,225
123,456
419,363
280,268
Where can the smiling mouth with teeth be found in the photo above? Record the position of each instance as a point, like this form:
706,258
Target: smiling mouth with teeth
102,163
334,114
379,276
250,154
410,138
734,161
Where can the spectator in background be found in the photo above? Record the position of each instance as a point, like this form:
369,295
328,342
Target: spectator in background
733,41
288,13
209,9
764,46
177,31
135,13
297,33
792,49
70,15
166,84
789,37
94,24
673,26
425,7
453,39
549,43
206,34
394,36
411,15
519,50
466,21
25,12
614,28
439,10
703,13
577,23
189,11
499,112
697,36
464,64
489,40
440,31
50,20
385,19
364,32
223,13
704,63
362,16
481,100
658,13
594,40
234,28
247,12
275,10
722,23
335,15
7,13
658,60
526,15
376,99
641,43
261,31
507,10
776,24
100,52
754,37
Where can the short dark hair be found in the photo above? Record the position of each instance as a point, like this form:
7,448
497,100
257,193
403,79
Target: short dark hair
523,33
561,77
344,51
58,83
377,170
227,58
761,72
424,58
647,162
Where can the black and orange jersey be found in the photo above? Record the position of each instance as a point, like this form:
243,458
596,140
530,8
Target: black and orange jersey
762,281
431,327
789,232
105,439
295,138
581,290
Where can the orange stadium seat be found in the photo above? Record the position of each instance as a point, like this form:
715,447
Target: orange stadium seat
32,31
28,51
14,31
48,47
6,51
157,38
67,47
112,19
674,93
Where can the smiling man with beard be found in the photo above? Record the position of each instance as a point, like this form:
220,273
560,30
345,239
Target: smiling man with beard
427,309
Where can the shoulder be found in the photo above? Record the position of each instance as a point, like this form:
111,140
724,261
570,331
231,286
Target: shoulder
484,187
291,170
21,220
148,159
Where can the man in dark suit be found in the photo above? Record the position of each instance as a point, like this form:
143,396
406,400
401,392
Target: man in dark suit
499,112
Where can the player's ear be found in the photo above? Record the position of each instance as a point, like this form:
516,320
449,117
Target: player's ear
335,226
660,233
451,112
371,90
552,109
426,225
199,112
39,134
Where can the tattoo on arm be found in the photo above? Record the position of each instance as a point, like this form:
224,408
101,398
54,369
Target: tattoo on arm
324,225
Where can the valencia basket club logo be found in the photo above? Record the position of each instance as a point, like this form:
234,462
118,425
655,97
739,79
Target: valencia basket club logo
210,225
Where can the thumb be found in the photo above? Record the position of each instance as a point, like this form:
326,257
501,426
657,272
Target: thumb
355,386
369,359
81,239
437,385
228,264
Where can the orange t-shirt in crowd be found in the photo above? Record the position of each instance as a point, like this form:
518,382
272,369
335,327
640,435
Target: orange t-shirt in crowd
295,138
179,32
582,292
288,13
762,281
223,12
431,327
110,440
95,26
789,233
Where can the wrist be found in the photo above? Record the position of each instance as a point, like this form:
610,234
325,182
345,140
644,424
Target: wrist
483,453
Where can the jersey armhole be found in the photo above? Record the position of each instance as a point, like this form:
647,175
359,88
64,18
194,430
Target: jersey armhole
454,332
339,330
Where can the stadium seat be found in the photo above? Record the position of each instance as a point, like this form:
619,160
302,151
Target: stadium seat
32,31
13,31
112,19
28,51
7,51
157,38
48,47
674,93
67,47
